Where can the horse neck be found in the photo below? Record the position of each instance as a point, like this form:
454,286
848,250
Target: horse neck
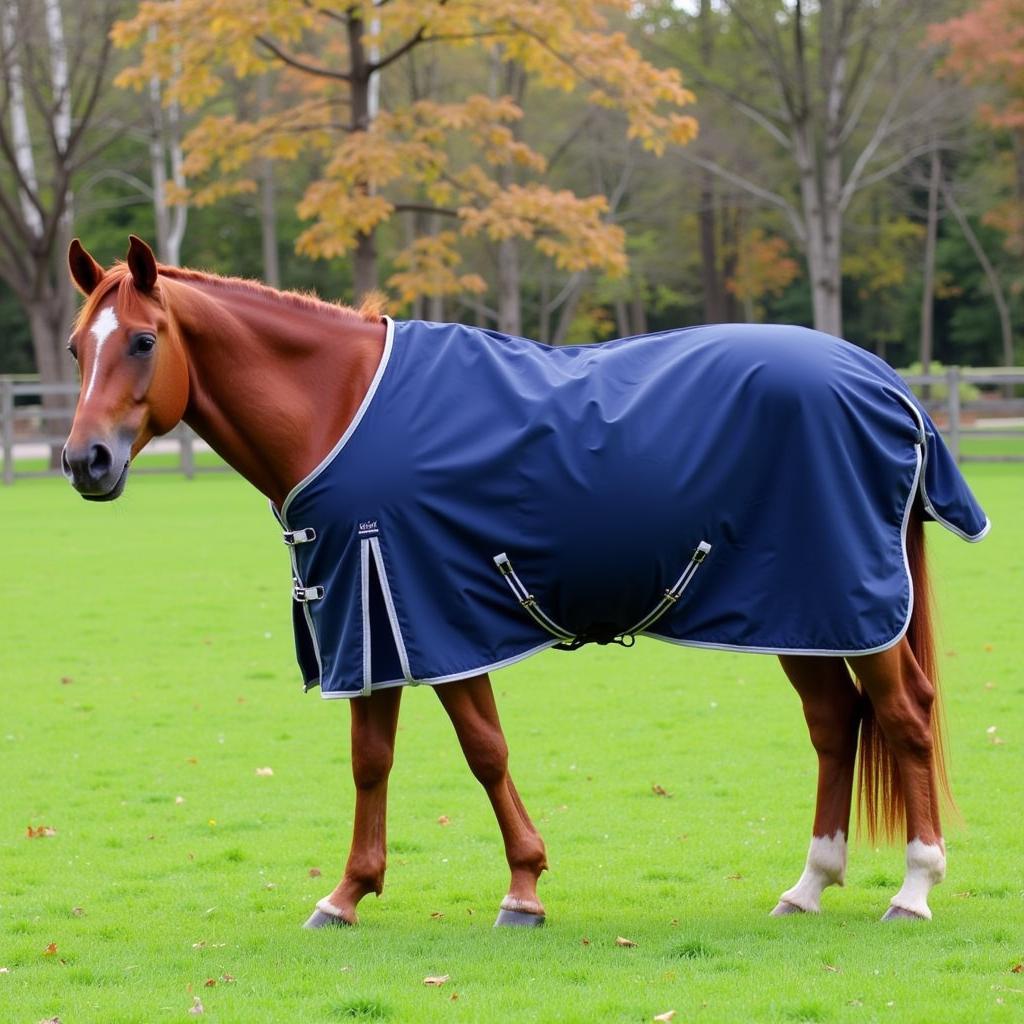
273,383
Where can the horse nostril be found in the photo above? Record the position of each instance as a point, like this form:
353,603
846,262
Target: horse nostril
65,466
101,459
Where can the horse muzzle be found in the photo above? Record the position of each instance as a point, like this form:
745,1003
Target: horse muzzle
96,469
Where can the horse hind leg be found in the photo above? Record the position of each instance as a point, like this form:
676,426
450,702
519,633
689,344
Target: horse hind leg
374,724
902,698
832,707
471,708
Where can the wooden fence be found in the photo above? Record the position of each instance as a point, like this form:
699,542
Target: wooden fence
30,430
992,416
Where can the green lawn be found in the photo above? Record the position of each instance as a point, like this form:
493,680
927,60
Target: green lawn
147,658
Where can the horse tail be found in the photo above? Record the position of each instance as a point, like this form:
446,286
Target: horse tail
880,804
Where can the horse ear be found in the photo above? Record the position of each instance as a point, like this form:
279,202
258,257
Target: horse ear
142,264
85,271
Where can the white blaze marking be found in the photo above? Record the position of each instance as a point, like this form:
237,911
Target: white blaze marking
103,326
826,865
926,866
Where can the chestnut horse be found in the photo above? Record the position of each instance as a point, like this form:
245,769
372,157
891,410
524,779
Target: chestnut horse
271,380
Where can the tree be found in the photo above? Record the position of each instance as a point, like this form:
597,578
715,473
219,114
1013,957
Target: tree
831,86
54,66
459,159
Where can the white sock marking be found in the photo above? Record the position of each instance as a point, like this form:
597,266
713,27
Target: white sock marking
826,865
103,326
926,866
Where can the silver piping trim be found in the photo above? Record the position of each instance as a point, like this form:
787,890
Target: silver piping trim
929,507
389,603
438,680
350,429
364,573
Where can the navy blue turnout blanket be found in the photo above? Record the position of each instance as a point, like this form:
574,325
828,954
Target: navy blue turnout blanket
737,486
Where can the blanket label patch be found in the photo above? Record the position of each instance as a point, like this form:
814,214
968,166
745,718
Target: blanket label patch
368,528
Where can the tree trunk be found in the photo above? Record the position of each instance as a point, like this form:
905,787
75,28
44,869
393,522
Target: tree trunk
995,285
509,311
268,224
364,261
928,285
710,278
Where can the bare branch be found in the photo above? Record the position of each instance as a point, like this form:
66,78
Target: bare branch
880,133
755,190
301,65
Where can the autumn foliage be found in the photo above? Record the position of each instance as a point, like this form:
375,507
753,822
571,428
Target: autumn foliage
462,158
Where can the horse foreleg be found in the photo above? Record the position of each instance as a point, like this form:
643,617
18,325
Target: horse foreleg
831,705
374,723
470,705
902,697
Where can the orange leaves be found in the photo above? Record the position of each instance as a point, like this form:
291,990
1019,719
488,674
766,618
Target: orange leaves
763,267
562,225
40,832
51,949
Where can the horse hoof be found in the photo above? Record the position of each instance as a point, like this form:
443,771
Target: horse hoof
899,914
784,909
517,919
318,919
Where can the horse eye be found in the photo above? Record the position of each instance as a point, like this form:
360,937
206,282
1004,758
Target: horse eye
74,354
142,344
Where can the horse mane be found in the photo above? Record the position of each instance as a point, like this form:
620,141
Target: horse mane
119,276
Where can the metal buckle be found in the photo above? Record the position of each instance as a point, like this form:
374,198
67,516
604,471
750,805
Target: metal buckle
293,537
306,594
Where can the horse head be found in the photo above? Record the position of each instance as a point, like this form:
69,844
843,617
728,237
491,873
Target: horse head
134,371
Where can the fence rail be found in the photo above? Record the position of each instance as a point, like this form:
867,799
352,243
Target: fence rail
992,417
22,442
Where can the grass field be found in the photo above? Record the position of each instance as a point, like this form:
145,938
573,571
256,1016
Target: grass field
147,674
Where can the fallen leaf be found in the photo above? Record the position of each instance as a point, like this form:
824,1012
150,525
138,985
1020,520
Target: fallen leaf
620,941
584,941
1017,969
5,970
197,1007
444,820
990,686
227,978
51,949
209,983
77,911
660,790
192,760
734,877
454,996
66,680
199,945
437,980
50,1020
315,872
666,1016
179,800
436,915
40,832
832,968
265,771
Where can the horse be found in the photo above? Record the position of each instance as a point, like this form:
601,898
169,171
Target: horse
272,380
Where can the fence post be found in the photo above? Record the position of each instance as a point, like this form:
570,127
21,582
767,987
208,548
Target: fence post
7,427
188,455
953,398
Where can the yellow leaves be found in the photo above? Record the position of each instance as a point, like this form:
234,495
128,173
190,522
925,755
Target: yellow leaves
428,266
436,980
627,943
562,225
40,832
